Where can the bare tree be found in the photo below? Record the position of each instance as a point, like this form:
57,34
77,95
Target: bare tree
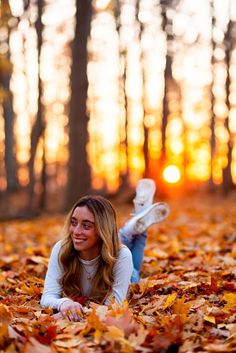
8,114
167,28
227,175
39,124
171,88
212,124
122,89
79,179
145,129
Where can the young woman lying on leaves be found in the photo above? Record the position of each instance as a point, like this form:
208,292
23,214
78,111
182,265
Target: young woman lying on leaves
90,260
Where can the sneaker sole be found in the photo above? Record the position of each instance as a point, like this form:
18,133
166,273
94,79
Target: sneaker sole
156,214
145,192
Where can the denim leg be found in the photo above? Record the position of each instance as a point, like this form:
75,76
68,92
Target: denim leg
136,244
135,277
139,244
128,241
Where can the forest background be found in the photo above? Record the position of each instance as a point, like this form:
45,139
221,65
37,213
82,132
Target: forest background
95,95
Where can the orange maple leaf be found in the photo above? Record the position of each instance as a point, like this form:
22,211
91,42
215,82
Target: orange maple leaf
5,314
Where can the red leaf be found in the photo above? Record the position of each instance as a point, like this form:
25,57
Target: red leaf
48,336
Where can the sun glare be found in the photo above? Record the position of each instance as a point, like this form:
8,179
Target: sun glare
101,4
171,174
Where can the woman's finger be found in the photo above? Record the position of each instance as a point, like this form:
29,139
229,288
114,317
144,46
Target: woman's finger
72,314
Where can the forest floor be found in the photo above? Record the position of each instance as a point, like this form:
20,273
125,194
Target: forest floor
185,301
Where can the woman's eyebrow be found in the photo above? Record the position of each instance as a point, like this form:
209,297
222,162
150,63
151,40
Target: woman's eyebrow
84,220
87,220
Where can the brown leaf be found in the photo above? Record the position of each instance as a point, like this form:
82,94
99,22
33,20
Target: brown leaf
5,314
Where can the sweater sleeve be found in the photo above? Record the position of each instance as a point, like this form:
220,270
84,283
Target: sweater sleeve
122,274
51,296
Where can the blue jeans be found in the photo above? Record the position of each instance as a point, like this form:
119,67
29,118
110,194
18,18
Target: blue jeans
136,246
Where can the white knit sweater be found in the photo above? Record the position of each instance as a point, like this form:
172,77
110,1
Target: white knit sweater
52,289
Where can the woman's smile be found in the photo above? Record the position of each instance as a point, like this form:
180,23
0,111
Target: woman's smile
79,240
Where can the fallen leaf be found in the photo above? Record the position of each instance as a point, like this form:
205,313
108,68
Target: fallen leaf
210,319
170,300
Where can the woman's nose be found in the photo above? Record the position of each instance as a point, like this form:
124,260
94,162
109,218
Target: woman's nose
78,229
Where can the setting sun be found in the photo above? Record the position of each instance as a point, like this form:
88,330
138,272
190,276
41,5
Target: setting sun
171,174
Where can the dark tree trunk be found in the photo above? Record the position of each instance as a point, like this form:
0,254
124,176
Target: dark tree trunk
79,179
39,124
166,27
125,177
9,119
123,94
8,114
145,129
170,86
43,195
227,176
212,124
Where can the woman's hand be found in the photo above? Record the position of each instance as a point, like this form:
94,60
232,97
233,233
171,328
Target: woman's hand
72,310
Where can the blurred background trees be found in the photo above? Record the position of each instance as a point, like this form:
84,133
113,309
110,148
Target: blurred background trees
97,94
78,167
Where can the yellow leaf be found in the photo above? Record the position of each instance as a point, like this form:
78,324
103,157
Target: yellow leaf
181,308
97,336
114,332
210,319
170,300
94,321
230,298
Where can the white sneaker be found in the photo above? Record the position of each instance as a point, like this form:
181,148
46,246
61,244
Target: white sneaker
156,213
145,191
139,223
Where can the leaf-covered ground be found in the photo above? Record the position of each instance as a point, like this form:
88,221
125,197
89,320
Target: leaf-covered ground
185,302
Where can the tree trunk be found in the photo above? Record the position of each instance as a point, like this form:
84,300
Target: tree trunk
124,184
79,179
167,29
39,125
145,129
212,124
8,114
43,195
167,78
227,176
10,156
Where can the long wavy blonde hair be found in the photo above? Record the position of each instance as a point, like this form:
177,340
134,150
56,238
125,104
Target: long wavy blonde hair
106,228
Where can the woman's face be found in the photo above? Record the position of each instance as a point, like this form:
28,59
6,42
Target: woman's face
84,236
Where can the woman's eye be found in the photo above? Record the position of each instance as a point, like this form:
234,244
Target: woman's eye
87,226
73,223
